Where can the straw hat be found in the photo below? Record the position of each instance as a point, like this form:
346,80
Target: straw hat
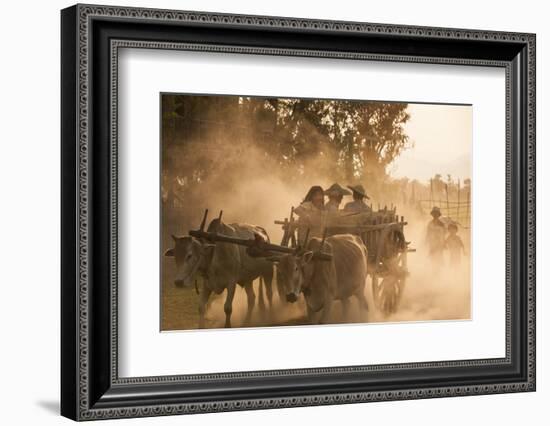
337,189
435,212
359,189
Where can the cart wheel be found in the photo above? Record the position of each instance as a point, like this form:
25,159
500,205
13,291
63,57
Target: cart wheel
388,289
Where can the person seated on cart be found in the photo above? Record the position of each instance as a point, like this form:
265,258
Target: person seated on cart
335,195
313,203
310,212
358,204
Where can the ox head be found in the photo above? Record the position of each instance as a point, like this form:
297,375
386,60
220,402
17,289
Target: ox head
189,254
289,275
295,271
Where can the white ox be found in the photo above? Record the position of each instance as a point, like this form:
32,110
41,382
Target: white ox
222,266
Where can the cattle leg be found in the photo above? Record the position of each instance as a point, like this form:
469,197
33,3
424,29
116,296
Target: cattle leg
360,294
345,309
310,314
268,278
203,301
261,301
280,291
325,314
251,300
269,293
228,305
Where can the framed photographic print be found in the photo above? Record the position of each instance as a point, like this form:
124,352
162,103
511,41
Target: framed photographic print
263,212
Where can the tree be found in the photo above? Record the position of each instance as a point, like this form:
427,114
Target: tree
364,137
340,139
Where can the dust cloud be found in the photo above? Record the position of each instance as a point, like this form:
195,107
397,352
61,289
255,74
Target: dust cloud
432,291
252,190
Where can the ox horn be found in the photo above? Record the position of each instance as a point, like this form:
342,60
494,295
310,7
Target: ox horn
204,219
319,253
219,224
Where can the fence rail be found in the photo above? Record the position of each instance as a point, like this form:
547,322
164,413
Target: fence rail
458,211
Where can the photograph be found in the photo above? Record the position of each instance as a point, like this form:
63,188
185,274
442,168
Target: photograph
264,209
282,211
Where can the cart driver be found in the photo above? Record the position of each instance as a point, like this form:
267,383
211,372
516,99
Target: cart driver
358,204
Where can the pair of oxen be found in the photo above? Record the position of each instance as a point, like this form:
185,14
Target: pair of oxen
323,271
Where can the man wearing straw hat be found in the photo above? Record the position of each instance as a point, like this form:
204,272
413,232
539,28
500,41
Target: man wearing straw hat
435,237
335,194
358,204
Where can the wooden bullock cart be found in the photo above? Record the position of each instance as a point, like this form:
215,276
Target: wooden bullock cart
382,232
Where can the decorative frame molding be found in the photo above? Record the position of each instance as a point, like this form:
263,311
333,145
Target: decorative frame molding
111,396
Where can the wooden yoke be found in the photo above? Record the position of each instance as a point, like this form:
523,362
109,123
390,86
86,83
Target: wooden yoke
256,247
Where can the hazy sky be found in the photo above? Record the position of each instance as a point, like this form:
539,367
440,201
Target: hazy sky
442,137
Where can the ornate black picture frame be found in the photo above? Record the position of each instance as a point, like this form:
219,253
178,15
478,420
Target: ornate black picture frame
90,385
